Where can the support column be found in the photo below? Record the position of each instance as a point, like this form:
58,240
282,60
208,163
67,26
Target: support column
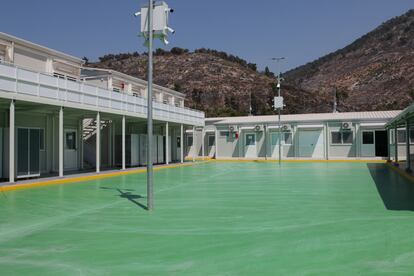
81,143
202,143
98,142
407,145
389,145
167,144
216,142
61,142
11,142
396,146
194,144
123,143
265,140
182,143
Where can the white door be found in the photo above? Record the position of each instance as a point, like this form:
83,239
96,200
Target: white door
250,145
311,143
368,143
274,145
71,150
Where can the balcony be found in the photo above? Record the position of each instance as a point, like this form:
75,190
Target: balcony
29,86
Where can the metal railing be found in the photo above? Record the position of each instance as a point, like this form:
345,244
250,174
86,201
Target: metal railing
19,80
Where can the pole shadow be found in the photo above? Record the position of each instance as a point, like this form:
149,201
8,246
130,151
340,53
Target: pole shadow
127,194
397,193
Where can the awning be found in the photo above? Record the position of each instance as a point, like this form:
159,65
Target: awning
273,127
310,126
247,128
372,124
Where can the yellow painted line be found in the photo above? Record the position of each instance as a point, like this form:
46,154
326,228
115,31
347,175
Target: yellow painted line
401,172
85,178
303,160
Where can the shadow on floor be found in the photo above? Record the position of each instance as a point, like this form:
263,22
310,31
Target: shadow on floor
127,194
397,193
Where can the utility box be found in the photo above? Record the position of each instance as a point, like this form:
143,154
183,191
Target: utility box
278,103
161,13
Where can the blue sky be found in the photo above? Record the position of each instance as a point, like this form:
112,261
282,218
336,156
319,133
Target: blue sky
256,30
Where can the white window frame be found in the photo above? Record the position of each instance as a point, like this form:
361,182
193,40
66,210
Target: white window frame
342,138
373,136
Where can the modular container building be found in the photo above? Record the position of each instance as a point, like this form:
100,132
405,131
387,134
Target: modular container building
58,116
350,135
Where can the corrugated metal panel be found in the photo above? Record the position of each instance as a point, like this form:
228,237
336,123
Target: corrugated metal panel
313,117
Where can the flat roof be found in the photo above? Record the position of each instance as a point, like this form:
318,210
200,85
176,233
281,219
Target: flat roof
311,117
40,47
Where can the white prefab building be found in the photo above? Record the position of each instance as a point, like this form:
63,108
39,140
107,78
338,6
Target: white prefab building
56,116
353,135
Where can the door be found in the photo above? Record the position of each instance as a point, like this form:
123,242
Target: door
381,143
311,143
250,145
274,144
28,152
368,144
70,155
211,141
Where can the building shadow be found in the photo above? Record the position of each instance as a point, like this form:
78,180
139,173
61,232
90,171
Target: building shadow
127,194
397,193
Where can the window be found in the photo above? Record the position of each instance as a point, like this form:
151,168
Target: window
250,139
336,137
42,139
411,135
211,140
116,90
347,137
287,138
401,136
70,140
342,137
57,75
178,142
368,138
189,141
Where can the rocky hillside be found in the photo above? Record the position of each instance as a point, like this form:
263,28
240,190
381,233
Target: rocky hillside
375,72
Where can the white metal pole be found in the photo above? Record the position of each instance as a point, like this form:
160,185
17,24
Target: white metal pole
61,142
279,124
98,142
123,143
182,143
11,142
194,144
150,200
167,144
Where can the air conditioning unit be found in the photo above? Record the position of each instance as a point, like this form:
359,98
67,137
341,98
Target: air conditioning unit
286,128
346,125
233,128
258,128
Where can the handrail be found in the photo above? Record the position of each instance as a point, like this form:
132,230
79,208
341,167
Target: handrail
52,87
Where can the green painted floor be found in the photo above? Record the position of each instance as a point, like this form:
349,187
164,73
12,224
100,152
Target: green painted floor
216,219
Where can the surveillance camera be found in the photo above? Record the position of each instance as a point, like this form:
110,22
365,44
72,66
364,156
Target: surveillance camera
171,30
171,10
137,14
